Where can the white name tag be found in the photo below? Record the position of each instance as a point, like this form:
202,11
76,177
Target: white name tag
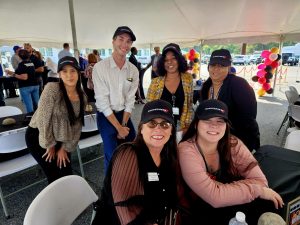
175,111
153,176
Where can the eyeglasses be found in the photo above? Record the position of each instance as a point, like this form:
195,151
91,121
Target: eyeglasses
163,124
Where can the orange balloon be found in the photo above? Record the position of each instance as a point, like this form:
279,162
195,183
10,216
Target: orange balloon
274,50
261,92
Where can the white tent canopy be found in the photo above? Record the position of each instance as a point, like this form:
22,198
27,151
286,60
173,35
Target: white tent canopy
46,23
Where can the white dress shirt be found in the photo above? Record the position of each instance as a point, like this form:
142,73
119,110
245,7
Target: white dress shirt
114,88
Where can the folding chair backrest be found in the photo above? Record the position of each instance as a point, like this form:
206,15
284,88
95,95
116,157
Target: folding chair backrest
61,202
90,123
9,111
13,141
294,112
291,96
292,88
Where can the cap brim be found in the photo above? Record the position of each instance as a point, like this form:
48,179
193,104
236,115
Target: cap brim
206,117
219,61
165,117
132,36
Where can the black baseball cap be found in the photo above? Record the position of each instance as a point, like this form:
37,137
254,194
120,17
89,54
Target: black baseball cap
212,108
67,60
221,57
122,30
157,109
172,47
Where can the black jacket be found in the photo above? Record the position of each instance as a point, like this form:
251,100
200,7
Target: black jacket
242,108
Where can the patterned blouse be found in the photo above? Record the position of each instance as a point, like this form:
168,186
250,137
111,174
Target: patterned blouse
51,119
156,88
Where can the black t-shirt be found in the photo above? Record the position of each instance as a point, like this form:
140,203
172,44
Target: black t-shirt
28,68
37,63
178,97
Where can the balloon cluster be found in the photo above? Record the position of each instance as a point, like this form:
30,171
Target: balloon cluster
193,59
266,70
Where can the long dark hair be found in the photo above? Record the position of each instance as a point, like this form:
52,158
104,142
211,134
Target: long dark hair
70,109
182,63
224,146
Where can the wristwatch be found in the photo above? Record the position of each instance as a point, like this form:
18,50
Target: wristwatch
124,124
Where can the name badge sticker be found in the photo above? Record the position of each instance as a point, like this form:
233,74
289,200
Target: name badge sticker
153,176
175,111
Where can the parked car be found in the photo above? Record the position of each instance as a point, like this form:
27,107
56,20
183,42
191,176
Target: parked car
259,60
239,60
292,61
253,58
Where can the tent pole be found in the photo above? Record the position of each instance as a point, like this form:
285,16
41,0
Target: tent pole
73,27
281,38
200,49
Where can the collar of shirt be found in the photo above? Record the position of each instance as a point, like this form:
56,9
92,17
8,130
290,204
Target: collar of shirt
114,65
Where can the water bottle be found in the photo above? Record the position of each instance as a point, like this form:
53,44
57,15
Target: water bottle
239,219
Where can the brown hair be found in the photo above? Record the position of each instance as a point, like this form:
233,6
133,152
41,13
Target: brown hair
92,58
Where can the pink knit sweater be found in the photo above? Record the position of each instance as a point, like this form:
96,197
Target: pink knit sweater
213,192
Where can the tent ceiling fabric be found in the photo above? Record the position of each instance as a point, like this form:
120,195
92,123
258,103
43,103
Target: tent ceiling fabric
47,22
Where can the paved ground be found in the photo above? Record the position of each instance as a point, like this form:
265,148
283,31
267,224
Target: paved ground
271,110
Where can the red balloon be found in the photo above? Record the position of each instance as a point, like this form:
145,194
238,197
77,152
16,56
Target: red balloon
262,80
268,61
191,57
192,52
266,86
274,64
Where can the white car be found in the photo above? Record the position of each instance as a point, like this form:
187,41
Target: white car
239,60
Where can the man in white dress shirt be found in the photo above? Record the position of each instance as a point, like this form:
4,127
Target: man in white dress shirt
115,83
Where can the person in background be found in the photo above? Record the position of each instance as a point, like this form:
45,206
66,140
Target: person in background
2,102
87,80
95,51
11,85
140,186
221,175
237,94
38,65
174,85
134,61
153,62
15,59
55,128
232,70
115,84
27,81
65,51
44,74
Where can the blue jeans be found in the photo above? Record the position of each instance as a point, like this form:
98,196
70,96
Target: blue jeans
109,135
30,96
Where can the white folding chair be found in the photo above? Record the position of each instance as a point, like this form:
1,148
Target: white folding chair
13,141
90,124
9,111
292,97
293,141
292,88
61,202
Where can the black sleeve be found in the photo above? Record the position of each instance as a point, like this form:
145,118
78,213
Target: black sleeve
20,69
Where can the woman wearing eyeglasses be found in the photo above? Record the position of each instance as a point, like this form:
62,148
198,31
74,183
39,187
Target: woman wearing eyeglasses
140,185
221,175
